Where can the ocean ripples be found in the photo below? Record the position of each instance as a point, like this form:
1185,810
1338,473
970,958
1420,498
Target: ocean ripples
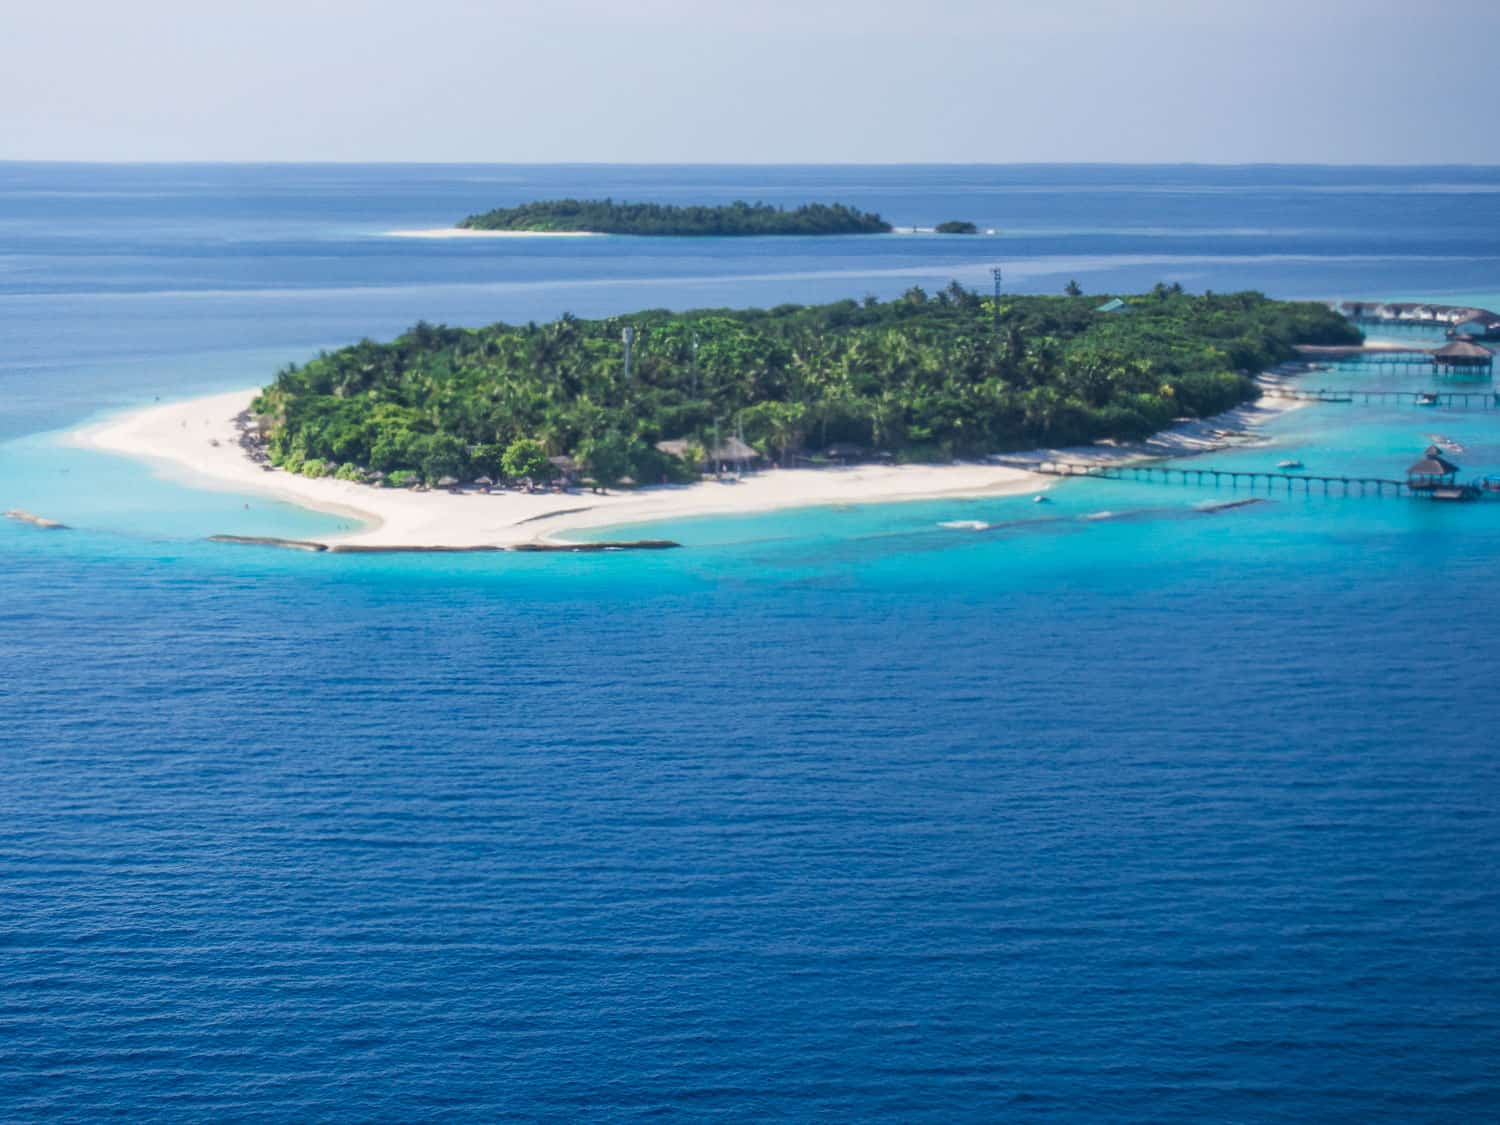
833,815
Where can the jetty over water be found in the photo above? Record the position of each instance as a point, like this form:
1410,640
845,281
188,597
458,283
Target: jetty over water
1460,358
1337,353
1465,400
1232,478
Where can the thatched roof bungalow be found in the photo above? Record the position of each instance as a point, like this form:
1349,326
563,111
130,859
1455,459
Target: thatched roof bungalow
731,450
1464,356
1432,471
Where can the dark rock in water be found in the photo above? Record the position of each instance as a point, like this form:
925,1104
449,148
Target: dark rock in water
35,520
268,541
630,545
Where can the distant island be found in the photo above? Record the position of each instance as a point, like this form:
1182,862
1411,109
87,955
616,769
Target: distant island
605,216
921,378
956,226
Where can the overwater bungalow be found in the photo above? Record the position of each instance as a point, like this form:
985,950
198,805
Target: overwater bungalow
1485,326
1464,358
1436,477
1432,470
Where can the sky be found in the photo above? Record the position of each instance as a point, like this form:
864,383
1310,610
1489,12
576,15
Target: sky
759,81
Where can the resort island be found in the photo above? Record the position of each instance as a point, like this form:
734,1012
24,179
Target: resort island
651,397
514,435
605,216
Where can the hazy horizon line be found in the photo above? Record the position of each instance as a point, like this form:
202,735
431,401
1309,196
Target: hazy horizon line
1354,164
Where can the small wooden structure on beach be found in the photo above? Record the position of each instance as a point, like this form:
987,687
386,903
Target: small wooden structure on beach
731,452
566,470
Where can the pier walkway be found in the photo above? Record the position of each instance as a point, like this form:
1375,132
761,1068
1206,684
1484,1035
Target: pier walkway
1364,353
1232,478
1467,400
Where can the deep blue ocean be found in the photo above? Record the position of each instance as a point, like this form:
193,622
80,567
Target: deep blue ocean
1114,809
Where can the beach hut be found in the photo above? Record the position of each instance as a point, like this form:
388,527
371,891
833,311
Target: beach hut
845,451
1464,358
566,470
731,451
734,451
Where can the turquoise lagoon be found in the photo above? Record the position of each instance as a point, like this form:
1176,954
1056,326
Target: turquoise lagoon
1110,807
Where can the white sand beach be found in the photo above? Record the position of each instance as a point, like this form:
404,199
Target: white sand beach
465,232
196,441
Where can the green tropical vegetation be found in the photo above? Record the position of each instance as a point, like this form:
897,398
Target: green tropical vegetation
605,216
924,377
956,226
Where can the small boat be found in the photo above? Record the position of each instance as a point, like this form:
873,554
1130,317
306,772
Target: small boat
1040,500
1426,400
1289,464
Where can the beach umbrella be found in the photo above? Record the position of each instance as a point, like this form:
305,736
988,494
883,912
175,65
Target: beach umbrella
447,482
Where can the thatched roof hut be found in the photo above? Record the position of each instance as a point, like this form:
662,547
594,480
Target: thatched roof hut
1463,354
1433,469
730,449
733,449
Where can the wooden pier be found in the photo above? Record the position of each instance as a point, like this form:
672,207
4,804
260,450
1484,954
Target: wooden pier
1363,353
1460,359
1308,483
1467,400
